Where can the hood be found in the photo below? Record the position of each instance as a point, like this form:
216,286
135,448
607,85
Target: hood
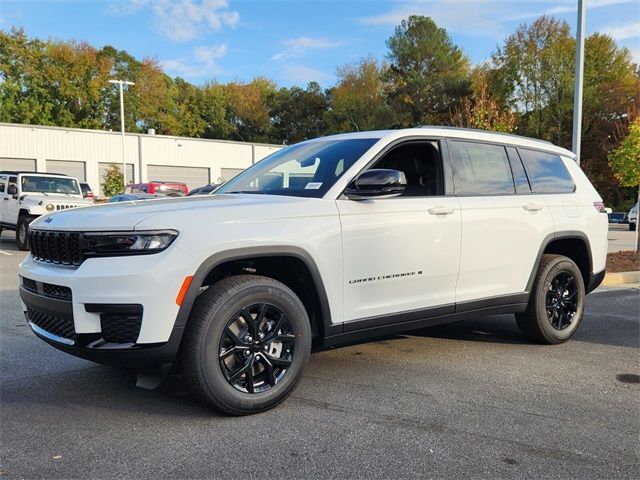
53,198
174,211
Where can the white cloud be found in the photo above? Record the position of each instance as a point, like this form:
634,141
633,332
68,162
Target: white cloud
181,20
301,74
203,64
296,47
479,17
622,32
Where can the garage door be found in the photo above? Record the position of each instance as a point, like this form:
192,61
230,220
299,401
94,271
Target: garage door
193,176
104,166
18,164
229,173
73,169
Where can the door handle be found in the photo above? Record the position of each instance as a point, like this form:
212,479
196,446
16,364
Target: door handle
532,207
439,210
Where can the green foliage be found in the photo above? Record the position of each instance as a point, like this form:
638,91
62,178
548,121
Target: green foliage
625,160
481,110
113,183
358,101
298,114
427,75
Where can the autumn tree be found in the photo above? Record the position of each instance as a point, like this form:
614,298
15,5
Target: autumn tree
358,101
427,75
248,115
481,110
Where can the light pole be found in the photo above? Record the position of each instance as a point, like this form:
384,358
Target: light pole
121,84
577,94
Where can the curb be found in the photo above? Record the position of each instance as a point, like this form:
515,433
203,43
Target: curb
620,278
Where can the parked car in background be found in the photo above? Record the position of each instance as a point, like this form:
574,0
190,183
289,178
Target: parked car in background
618,217
86,191
633,217
27,195
206,190
170,189
132,197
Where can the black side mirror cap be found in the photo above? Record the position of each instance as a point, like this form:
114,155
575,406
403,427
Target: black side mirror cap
377,183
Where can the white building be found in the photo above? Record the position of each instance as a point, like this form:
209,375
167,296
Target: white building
86,155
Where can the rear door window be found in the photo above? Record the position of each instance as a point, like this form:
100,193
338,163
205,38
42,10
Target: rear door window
481,169
546,172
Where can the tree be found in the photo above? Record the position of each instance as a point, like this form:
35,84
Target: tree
214,110
536,64
113,181
428,73
625,160
358,101
481,110
297,114
248,114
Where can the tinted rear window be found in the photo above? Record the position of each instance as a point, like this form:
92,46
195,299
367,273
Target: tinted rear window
481,169
547,172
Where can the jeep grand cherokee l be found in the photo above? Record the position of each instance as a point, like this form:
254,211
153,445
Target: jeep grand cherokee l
325,242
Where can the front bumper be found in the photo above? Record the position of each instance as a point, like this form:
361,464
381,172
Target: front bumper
118,310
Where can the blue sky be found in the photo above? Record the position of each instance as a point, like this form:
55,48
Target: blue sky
291,42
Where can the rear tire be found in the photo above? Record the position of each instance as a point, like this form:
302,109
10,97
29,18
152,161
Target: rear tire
22,232
246,344
556,303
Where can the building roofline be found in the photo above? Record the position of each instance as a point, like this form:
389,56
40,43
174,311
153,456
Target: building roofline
136,134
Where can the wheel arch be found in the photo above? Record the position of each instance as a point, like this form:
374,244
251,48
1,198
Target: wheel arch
572,244
274,261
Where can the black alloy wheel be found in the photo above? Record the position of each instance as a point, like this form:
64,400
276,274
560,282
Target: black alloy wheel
256,348
561,300
556,301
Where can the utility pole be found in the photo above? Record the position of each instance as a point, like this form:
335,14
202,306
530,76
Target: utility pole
579,77
121,84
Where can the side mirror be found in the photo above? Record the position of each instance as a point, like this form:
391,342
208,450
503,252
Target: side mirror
377,183
13,191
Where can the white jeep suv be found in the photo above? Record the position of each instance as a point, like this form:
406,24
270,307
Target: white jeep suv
25,196
325,242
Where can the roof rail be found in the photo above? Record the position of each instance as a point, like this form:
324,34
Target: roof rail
463,129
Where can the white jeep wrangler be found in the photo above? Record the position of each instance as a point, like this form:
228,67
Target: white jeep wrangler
27,195
326,242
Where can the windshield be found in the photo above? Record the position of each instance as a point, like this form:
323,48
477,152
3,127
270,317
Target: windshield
34,183
302,170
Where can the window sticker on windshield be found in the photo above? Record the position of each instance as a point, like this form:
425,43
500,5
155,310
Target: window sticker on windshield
313,186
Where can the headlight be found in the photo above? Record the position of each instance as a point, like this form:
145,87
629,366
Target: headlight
126,243
49,207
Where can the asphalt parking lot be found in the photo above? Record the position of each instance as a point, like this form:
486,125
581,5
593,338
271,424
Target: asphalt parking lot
466,400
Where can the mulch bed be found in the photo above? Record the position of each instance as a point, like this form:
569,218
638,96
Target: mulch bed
626,261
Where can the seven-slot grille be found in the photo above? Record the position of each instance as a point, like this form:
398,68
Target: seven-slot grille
61,248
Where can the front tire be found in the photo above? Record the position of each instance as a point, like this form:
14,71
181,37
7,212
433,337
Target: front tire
22,232
246,344
556,303
632,227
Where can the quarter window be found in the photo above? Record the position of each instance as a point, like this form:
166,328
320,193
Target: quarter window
3,180
481,169
547,172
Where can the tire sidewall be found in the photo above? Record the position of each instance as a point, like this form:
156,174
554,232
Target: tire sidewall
208,360
552,270
23,222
